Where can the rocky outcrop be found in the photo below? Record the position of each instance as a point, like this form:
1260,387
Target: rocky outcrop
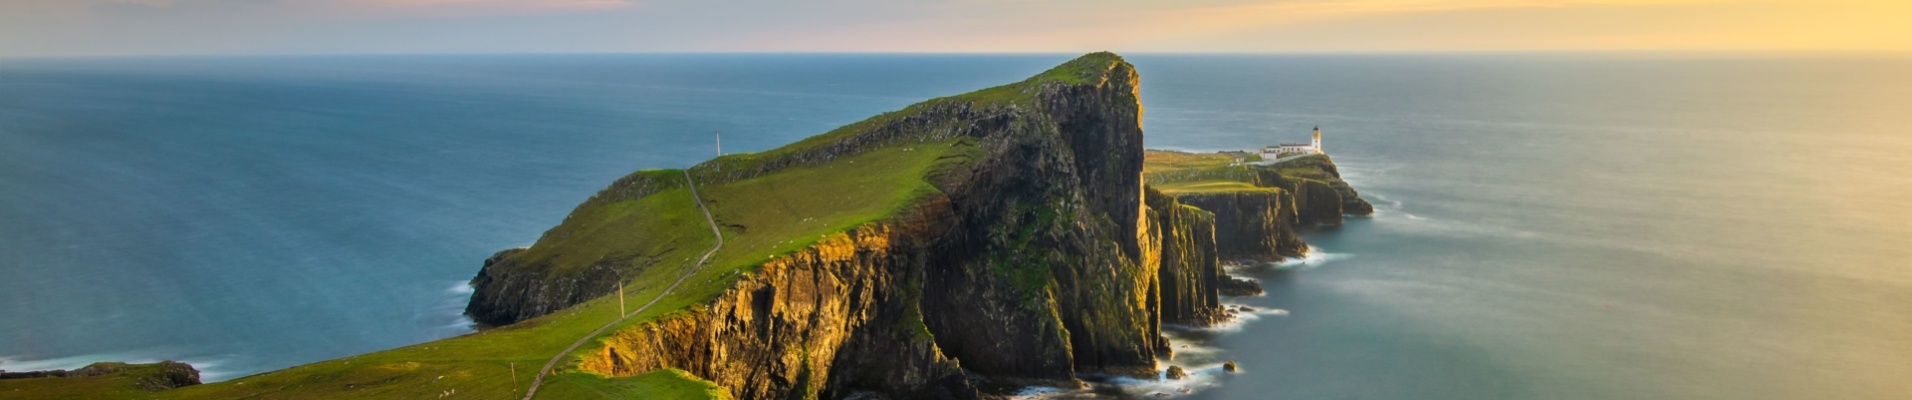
1264,224
1233,286
147,377
1320,176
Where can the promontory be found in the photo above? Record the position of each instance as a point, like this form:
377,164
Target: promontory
1015,235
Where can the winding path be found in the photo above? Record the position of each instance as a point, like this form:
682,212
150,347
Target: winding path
548,365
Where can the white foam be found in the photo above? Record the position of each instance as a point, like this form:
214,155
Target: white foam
210,368
449,317
1240,319
1389,206
1202,363
461,288
1315,257
1200,377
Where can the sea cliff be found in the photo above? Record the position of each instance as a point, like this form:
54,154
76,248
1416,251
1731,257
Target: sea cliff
1259,209
1009,236
1038,256
1032,260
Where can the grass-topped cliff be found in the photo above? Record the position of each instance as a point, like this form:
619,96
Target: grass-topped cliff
1258,208
826,201
1001,235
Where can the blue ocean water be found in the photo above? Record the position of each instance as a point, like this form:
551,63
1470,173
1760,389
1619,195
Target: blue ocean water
1605,226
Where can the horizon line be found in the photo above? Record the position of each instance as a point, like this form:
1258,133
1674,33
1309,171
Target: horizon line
1715,52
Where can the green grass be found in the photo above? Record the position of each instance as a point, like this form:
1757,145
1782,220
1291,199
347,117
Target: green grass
1174,172
1081,70
779,213
1210,186
649,228
1158,161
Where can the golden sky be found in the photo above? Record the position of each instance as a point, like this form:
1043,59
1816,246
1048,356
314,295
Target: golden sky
75,27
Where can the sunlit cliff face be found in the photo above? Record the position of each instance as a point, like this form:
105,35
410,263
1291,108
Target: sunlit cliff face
48,27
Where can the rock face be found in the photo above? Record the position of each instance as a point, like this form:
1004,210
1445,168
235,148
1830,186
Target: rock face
1190,273
843,314
1252,225
1039,258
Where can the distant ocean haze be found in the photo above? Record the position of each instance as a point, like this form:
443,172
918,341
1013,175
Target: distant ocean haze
1548,226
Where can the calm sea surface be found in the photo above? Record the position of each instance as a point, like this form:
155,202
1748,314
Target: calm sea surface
1548,226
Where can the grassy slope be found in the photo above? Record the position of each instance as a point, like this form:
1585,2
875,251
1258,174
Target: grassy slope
1178,173
762,217
778,213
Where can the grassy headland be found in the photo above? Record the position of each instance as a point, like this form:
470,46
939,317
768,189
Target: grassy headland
650,241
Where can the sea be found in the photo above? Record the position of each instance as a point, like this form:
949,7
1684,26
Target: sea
1547,225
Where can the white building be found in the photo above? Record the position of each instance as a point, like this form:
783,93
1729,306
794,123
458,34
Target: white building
1288,149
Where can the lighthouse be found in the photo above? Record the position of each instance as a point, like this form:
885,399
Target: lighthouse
1289,149
1317,139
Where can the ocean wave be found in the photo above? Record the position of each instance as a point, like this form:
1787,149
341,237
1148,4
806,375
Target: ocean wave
461,288
1200,377
448,318
1240,319
1314,258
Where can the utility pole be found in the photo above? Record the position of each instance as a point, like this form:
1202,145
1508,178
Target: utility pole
720,143
620,298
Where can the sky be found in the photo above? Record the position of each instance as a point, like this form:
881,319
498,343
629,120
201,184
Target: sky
168,27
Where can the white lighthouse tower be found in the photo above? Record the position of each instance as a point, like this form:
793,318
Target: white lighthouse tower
1317,139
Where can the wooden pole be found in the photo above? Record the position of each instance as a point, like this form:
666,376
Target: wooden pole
720,143
620,298
514,380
